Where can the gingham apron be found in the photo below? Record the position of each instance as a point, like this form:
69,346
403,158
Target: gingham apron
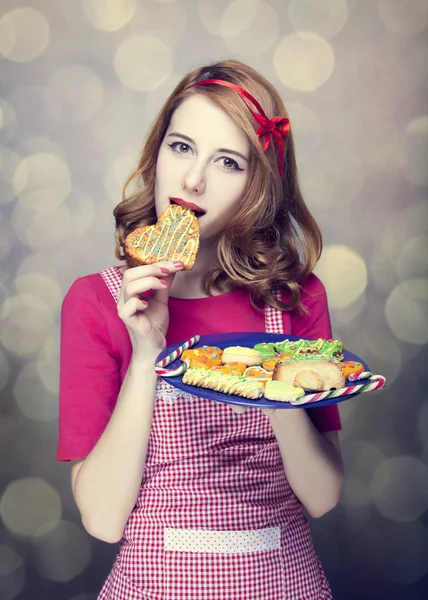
215,518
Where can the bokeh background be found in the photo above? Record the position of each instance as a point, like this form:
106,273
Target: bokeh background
80,83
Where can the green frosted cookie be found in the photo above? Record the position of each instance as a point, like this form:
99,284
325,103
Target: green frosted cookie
266,350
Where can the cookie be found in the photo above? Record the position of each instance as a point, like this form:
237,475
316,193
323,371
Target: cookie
351,366
282,392
248,356
175,236
327,348
316,375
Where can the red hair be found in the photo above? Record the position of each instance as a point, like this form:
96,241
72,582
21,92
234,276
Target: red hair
272,240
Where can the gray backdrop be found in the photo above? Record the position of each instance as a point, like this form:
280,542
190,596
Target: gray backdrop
80,83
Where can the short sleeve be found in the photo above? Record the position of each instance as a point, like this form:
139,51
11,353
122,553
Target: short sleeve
89,372
316,324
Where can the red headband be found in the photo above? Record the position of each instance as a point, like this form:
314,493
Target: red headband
278,127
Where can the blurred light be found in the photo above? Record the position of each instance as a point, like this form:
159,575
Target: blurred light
24,34
12,573
62,553
46,288
47,364
251,40
119,121
303,61
83,213
343,273
78,89
31,395
45,113
406,17
116,176
417,150
4,371
407,311
401,227
27,504
25,321
41,229
7,121
211,14
42,172
9,560
423,428
7,239
399,488
346,314
9,162
335,177
157,98
38,144
238,16
362,459
109,15
324,17
143,62
355,493
166,21
413,259
306,128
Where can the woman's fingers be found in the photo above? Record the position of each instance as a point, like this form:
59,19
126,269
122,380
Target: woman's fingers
137,280
129,308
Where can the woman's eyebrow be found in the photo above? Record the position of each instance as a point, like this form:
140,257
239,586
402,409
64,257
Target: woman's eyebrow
189,139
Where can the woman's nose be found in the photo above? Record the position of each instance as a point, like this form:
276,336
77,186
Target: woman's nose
194,180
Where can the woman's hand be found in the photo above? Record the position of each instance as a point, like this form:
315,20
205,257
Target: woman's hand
241,409
147,320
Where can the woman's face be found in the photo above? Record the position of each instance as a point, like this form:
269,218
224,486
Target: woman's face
203,161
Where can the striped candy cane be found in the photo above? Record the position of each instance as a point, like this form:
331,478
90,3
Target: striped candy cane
377,382
160,366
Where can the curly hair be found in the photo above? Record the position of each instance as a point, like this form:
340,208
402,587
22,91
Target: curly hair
272,241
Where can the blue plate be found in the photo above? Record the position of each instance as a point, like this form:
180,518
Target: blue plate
223,340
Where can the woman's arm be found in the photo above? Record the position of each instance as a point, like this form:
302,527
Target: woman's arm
106,484
312,460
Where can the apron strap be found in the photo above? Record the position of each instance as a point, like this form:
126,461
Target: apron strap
113,280
273,316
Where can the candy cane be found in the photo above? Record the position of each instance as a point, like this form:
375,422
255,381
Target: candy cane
377,382
160,365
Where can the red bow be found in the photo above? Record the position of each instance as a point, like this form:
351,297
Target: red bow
277,127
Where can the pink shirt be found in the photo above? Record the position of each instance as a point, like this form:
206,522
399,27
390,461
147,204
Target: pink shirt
96,350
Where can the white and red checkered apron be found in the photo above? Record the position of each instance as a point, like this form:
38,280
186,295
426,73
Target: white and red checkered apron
215,518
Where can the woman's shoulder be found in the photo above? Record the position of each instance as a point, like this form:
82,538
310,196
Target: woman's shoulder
94,288
311,285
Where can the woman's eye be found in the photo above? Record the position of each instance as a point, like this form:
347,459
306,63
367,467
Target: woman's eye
230,164
180,147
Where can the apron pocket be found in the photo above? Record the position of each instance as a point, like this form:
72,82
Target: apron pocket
203,564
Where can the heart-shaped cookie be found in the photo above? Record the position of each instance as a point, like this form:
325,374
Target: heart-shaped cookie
174,237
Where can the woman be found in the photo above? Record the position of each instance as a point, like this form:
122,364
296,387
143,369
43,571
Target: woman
205,501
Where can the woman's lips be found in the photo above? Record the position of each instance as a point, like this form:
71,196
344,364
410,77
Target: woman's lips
194,207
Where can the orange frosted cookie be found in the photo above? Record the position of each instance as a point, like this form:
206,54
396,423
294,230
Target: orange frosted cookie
270,363
258,373
233,368
174,237
351,366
